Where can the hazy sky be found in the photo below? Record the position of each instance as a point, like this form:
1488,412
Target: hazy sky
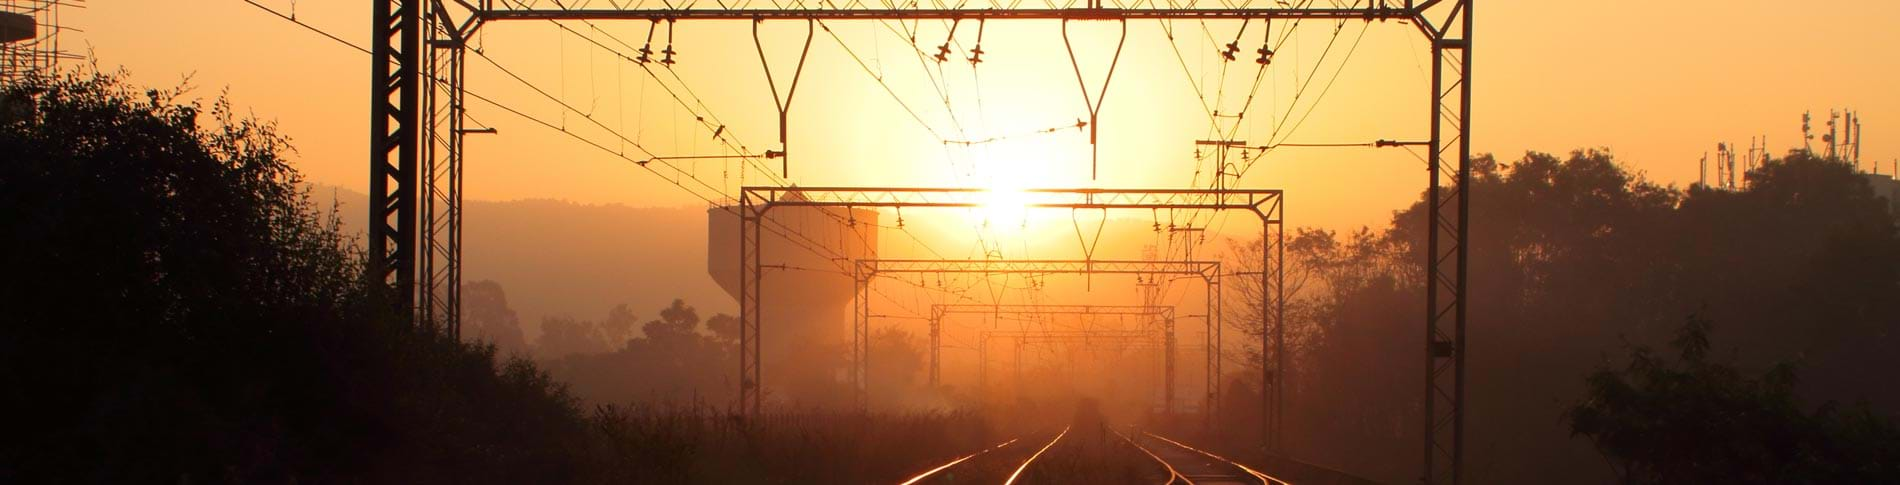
1659,83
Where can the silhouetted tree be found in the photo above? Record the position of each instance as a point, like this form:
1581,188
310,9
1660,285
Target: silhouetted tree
672,360
1701,421
1569,255
562,336
177,313
618,327
486,317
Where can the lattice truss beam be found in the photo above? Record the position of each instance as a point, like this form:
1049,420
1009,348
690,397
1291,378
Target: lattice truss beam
1163,315
983,10
1263,202
1448,222
413,134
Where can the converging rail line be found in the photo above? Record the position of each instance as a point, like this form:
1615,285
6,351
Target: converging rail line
933,471
1032,458
1174,476
975,466
1190,470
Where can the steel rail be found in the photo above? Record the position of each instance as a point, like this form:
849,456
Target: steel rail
952,463
1265,479
1032,458
1173,475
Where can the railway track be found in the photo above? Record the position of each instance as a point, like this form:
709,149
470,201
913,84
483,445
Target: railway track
1184,464
1191,466
1013,456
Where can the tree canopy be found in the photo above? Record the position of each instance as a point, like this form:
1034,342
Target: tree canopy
178,313
1571,256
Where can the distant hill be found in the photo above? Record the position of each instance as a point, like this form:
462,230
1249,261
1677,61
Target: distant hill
562,258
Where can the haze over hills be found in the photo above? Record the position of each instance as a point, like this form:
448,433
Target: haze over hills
559,258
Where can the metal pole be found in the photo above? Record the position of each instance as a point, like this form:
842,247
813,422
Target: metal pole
861,338
1464,244
936,348
1167,396
1431,265
1279,333
395,64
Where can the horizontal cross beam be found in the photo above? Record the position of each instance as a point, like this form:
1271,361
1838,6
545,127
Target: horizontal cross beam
948,309
1133,11
871,267
1263,202
1070,335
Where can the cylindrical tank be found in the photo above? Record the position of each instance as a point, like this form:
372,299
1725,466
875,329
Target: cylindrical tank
805,299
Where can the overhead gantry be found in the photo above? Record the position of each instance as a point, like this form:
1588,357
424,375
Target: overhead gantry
1267,205
416,149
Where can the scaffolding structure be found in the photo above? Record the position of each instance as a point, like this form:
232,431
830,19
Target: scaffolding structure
29,36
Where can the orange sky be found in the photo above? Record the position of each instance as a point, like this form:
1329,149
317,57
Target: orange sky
1657,82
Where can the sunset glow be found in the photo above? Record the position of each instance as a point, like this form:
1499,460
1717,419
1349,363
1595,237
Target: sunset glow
1113,242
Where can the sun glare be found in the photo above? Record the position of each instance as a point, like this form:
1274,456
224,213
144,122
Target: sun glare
1004,207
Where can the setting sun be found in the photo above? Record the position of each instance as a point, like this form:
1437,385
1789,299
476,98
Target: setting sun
1004,207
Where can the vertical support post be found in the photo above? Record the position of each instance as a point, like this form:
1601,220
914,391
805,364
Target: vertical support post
1215,319
1464,233
983,369
394,73
1212,338
1273,323
861,337
1448,213
750,271
936,346
1279,325
1016,368
1167,393
440,259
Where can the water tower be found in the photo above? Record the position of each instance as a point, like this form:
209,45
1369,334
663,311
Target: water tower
805,296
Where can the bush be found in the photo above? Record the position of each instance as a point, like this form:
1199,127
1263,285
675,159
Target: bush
177,312
1699,421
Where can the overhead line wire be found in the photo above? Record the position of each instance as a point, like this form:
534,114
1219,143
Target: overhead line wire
675,181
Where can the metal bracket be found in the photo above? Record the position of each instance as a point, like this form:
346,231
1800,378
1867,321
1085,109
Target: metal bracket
1094,105
784,105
